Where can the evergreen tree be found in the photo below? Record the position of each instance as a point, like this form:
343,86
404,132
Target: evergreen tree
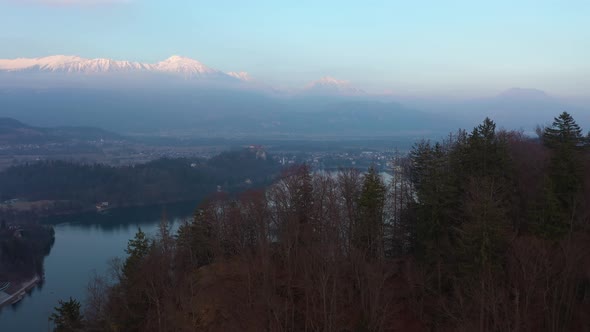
368,233
303,202
485,203
67,316
433,224
566,170
135,301
486,152
420,157
195,239
564,132
548,214
137,248
486,226
481,146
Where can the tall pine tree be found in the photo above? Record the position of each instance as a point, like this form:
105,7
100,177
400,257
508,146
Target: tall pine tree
368,231
565,141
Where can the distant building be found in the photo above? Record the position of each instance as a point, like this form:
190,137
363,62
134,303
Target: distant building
102,206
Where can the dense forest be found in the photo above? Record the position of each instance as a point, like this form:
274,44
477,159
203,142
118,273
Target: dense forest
486,230
74,186
22,250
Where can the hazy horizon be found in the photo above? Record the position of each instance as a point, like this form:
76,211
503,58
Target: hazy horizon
458,49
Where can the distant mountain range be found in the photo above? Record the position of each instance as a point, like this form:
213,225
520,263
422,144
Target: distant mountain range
16,132
514,108
182,96
174,66
187,67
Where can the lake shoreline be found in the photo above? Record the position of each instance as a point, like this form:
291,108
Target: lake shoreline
43,219
84,247
18,295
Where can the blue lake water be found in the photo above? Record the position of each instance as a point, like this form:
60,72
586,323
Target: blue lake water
84,245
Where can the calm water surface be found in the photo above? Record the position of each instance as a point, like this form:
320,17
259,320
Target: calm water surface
84,244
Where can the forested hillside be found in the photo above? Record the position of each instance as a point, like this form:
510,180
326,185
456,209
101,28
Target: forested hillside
22,251
487,230
79,186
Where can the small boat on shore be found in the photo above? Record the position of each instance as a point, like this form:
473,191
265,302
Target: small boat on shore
102,207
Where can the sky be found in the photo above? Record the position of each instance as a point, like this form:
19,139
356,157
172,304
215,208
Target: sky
405,47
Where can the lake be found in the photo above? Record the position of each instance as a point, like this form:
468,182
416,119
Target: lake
84,244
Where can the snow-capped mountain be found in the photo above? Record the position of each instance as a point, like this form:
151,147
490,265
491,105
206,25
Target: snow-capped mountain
175,66
242,75
187,67
70,64
330,86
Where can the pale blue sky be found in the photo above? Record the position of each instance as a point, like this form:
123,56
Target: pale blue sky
424,47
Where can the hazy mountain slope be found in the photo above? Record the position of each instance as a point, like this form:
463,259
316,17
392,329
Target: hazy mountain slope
212,112
329,86
514,108
16,132
180,95
524,108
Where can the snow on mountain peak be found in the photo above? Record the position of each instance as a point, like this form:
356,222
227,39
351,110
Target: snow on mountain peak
69,64
330,80
75,64
184,65
25,63
242,75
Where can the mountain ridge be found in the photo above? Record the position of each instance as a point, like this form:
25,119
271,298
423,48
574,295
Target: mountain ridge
73,64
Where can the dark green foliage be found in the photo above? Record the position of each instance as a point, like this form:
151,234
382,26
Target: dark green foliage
368,230
481,247
67,316
486,226
478,195
564,132
462,187
131,296
563,187
564,138
486,152
137,248
303,202
22,252
437,200
548,215
195,240
304,194
164,180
